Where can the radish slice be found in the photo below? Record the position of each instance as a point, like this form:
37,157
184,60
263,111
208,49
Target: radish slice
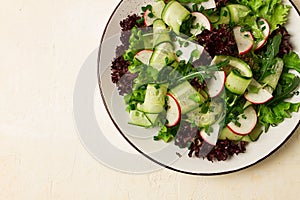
244,40
144,56
262,96
211,137
216,84
173,114
247,122
209,4
148,21
265,27
201,22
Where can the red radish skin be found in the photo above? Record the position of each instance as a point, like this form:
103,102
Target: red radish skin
247,125
266,32
148,21
212,137
144,56
202,20
244,40
261,97
216,85
173,112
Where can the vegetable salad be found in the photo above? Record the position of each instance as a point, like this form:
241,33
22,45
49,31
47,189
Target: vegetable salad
211,74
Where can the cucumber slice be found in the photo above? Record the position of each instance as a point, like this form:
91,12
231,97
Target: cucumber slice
150,108
152,117
272,79
139,118
162,55
243,68
159,24
257,131
237,84
214,18
200,119
238,79
209,118
224,16
184,94
148,41
154,98
160,33
157,8
174,14
238,12
226,133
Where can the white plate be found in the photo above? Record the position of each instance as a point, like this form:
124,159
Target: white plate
169,155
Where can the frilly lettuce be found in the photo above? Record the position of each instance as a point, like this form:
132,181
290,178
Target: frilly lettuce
292,61
274,11
272,116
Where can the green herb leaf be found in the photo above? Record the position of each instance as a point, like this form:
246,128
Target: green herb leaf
166,133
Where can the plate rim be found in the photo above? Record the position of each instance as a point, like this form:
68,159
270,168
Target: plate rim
152,159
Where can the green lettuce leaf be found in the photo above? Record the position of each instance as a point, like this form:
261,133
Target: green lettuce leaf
272,116
292,61
274,11
278,16
253,4
166,133
136,43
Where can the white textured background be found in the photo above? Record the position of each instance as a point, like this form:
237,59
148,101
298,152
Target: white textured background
42,47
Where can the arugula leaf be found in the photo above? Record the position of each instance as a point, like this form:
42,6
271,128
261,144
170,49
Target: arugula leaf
292,61
268,59
202,72
284,92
